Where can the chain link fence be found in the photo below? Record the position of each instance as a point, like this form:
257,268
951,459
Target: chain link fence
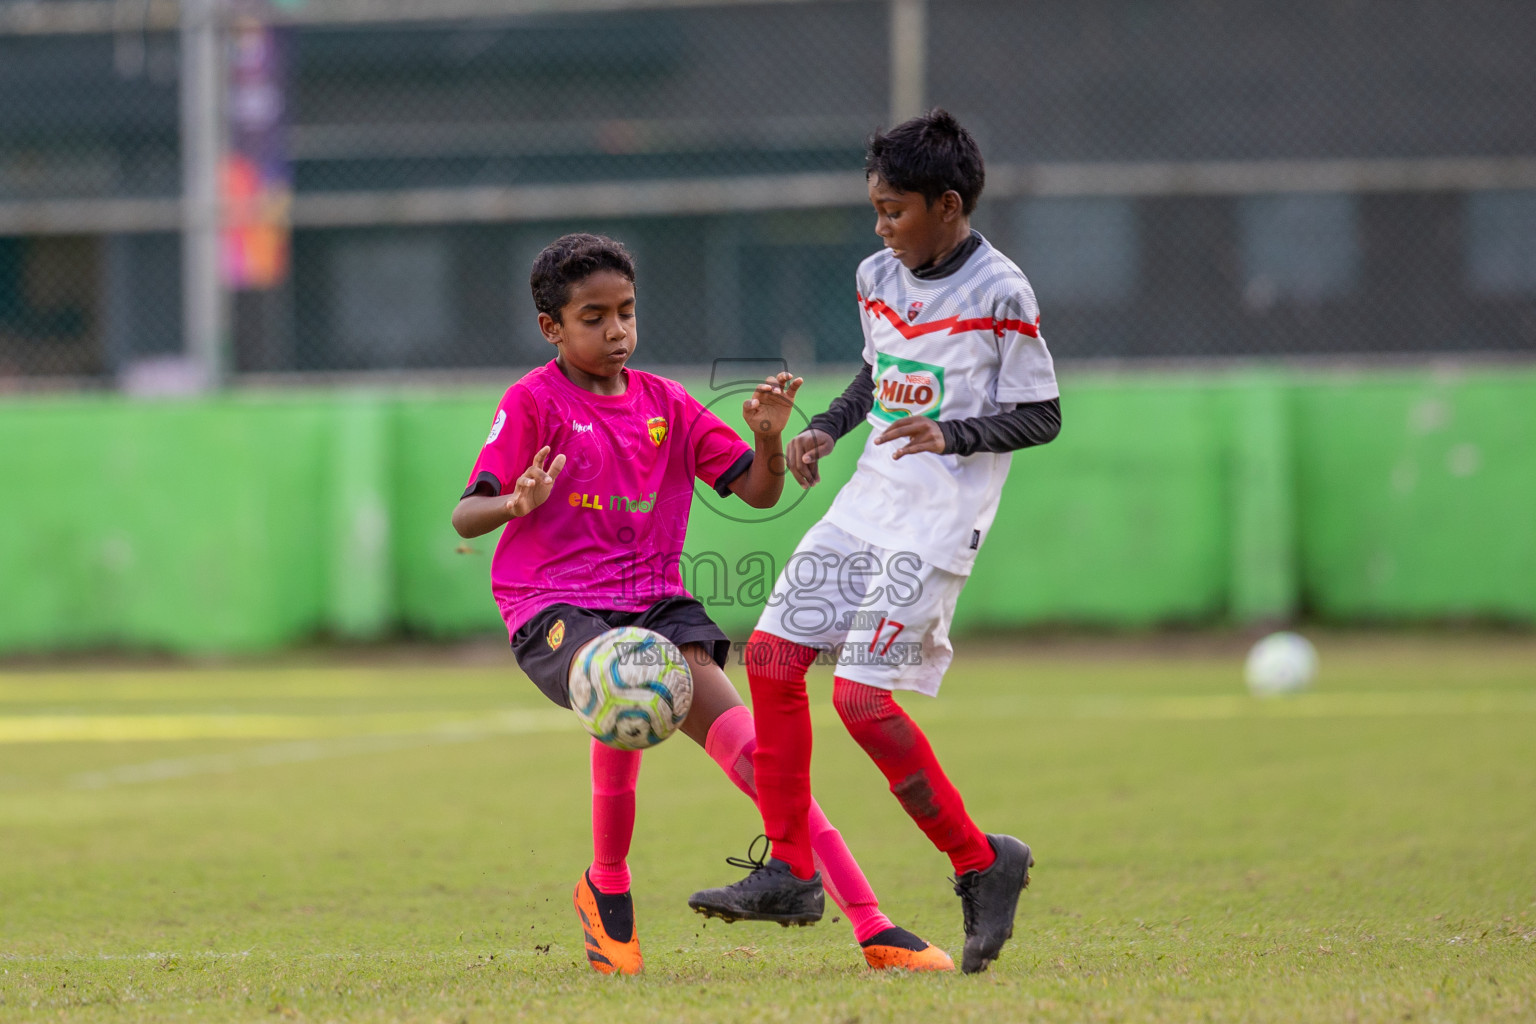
1179,179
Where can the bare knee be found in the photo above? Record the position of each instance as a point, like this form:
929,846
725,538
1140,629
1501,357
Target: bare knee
713,694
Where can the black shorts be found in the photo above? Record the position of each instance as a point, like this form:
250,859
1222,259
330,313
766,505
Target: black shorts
546,643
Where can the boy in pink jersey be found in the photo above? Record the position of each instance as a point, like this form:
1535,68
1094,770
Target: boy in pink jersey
589,467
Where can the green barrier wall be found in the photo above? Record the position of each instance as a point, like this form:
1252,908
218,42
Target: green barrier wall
1416,496
248,522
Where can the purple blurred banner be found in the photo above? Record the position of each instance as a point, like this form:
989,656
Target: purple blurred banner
257,178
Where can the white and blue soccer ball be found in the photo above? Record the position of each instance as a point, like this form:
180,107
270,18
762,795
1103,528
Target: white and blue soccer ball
1280,663
631,687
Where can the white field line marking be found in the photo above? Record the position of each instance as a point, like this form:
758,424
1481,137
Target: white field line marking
192,685
506,723
430,956
68,728
321,737
296,684
1216,707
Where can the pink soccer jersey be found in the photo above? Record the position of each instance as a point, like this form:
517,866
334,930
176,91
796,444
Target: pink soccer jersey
611,531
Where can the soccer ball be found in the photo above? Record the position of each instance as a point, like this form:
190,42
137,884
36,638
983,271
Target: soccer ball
631,688
1281,663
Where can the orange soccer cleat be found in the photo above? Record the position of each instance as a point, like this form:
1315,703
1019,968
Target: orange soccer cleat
896,949
608,923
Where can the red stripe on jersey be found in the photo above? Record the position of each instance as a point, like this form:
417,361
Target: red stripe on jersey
953,324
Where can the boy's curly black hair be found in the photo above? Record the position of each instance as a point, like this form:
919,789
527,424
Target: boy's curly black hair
931,154
570,259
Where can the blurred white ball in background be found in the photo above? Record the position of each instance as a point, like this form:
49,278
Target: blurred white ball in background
1281,663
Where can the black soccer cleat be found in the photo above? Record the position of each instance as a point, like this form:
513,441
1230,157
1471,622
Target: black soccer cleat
989,899
770,893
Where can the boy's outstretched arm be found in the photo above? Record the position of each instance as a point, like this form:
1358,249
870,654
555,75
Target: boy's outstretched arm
1025,426
478,514
766,412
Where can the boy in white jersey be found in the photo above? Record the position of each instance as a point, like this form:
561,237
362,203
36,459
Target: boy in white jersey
956,377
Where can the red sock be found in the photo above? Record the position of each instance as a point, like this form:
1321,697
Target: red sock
782,713
902,753
614,773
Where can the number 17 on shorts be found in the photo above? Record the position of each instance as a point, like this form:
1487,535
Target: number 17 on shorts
882,615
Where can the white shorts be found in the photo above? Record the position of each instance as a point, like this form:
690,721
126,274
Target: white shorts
883,614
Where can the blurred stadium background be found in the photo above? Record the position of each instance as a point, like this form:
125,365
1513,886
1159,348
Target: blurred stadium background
1286,256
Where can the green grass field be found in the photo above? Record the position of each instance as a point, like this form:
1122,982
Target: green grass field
397,838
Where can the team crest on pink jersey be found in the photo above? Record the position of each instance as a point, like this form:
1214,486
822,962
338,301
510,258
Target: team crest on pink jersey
656,426
913,310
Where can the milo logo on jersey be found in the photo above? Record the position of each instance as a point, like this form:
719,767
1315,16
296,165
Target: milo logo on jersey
906,387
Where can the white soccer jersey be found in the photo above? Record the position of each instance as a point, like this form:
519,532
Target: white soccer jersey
961,346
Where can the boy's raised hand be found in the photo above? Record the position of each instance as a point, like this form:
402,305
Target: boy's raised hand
767,411
534,485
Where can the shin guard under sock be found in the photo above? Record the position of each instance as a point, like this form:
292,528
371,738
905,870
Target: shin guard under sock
904,756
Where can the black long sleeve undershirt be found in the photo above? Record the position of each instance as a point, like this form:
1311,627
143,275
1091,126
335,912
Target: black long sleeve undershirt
1026,425
850,408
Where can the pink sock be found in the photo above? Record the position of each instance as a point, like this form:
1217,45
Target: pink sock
614,773
731,742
